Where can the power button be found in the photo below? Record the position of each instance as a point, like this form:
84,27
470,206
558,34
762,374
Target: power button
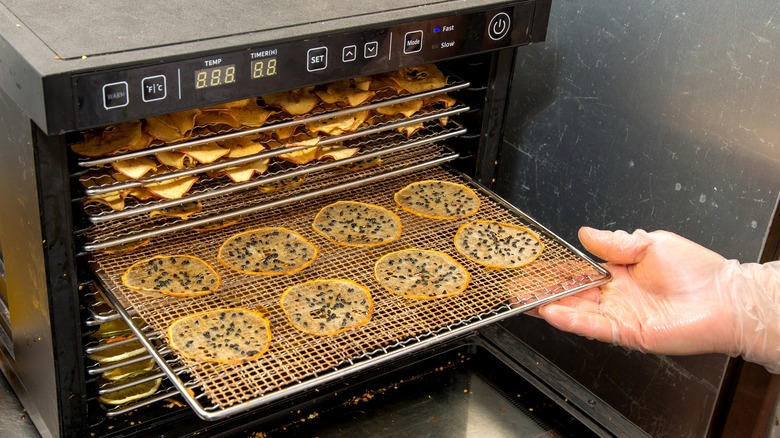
499,26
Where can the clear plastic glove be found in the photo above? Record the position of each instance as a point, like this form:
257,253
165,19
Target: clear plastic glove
672,296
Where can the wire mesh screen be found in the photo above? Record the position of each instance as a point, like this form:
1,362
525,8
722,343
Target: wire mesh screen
295,357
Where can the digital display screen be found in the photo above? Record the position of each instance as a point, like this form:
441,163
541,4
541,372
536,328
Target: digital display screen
215,76
263,68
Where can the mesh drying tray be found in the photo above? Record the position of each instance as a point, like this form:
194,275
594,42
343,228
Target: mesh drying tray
295,361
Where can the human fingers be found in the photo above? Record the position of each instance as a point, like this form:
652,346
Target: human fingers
580,321
615,246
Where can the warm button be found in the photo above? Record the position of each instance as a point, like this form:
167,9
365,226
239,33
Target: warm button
413,41
115,95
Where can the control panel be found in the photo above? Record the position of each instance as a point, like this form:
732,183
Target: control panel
201,80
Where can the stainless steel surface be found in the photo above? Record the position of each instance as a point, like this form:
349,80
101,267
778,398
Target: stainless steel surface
297,362
28,303
117,28
662,115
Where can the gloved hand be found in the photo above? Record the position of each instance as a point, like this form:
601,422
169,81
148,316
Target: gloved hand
672,296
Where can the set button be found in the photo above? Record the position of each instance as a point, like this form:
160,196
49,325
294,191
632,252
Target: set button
317,59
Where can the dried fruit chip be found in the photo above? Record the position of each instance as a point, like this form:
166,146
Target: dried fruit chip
327,307
302,156
173,159
410,130
421,274
171,127
418,79
353,91
267,251
205,153
251,114
173,188
245,172
352,223
295,102
242,146
338,125
438,199
115,200
134,369
284,133
140,193
230,335
175,275
336,152
133,393
110,329
212,117
117,353
440,99
408,108
110,139
497,244
135,168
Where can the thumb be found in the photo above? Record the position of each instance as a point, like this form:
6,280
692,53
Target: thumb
616,247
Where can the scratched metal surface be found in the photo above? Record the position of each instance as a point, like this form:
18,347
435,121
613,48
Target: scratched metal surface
654,115
14,421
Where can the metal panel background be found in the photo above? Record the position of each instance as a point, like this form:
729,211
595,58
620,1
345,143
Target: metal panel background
654,115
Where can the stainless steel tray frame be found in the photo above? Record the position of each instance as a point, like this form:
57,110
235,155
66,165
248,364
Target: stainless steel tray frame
205,408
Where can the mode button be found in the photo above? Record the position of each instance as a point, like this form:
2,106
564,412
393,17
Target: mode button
413,41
